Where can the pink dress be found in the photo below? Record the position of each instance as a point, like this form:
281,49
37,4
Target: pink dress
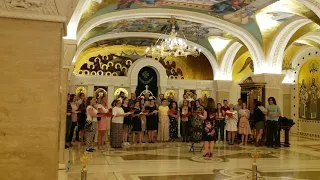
244,125
103,123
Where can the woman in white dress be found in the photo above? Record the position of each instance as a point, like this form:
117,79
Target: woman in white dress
231,124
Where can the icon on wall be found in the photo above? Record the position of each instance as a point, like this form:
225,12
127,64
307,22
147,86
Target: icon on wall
170,94
81,89
118,91
100,92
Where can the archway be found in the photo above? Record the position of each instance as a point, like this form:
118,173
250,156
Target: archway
147,79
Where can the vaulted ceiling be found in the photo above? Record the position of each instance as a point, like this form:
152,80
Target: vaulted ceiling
215,25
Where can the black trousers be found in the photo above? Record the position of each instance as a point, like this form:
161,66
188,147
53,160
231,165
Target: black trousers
73,126
273,135
220,124
184,130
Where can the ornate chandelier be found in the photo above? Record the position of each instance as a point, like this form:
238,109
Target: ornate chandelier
174,45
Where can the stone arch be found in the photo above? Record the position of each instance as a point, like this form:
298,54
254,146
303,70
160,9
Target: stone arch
248,39
207,53
134,69
298,61
280,41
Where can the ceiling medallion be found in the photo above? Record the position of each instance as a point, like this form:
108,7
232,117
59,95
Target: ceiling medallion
176,45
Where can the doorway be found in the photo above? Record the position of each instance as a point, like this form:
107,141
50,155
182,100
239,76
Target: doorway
147,80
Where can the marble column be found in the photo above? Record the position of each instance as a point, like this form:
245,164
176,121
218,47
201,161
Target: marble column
90,90
180,95
198,92
223,90
111,90
62,123
30,53
163,90
132,90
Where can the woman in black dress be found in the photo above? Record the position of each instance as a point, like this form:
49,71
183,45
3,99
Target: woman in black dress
208,133
173,116
151,120
126,121
136,123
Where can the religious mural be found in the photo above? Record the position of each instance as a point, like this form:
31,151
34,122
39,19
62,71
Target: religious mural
118,65
105,60
100,91
242,67
309,92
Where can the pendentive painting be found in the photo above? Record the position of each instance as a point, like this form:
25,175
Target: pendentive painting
309,92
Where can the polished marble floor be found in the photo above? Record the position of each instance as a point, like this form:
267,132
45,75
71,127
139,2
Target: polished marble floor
173,161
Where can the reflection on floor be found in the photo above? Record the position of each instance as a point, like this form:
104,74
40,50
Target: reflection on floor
173,161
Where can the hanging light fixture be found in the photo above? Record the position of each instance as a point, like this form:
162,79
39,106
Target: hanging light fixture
174,45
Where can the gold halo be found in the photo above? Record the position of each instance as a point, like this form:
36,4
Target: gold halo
169,92
81,89
128,62
104,65
93,73
125,69
110,64
114,74
118,64
172,70
80,72
117,92
99,93
86,72
171,77
205,93
101,73
108,73
97,58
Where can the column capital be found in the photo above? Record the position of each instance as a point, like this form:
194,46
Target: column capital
223,85
40,10
273,81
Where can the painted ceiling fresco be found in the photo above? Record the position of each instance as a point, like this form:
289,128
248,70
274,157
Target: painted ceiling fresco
195,32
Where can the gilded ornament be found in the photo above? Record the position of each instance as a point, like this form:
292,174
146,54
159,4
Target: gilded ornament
81,89
117,92
171,94
84,160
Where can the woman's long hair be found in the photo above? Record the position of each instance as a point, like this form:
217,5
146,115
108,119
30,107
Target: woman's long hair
211,104
88,101
273,99
171,103
219,110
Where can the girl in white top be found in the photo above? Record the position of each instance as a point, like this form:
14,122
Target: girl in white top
117,125
92,114
231,123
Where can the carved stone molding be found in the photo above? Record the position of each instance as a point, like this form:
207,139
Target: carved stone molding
41,10
273,81
224,85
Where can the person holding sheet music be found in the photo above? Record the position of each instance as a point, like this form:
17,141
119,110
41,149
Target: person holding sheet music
151,119
231,124
185,112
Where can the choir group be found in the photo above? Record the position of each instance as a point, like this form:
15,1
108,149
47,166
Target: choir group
199,119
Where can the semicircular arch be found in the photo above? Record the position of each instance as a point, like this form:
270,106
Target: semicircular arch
279,42
207,53
248,39
134,69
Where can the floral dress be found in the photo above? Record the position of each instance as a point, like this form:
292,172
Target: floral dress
174,126
196,123
208,133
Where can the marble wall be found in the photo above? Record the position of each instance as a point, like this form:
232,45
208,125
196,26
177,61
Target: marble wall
30,54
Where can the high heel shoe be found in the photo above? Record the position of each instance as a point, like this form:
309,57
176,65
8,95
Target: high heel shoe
206,155
210,154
